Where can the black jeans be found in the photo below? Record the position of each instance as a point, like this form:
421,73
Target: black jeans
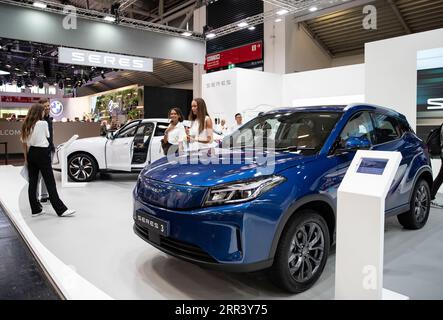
39,160
437,182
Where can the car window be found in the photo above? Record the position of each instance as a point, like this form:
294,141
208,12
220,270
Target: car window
128,131
386,128
160,130
144,132
360,125
304,132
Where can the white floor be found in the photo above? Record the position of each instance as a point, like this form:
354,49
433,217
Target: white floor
99,244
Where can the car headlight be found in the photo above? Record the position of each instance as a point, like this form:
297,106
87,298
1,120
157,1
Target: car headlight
241,191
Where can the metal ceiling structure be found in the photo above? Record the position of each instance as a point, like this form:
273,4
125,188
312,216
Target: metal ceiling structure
341,32
126,13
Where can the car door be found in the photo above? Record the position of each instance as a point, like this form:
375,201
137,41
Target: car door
156,151
142,143
119,149
389,137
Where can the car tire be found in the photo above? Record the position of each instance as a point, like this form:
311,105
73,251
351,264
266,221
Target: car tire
418,214
82,167
302,229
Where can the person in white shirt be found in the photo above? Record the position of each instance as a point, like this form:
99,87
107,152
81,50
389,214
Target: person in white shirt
175,134
200,135
238,122
34,135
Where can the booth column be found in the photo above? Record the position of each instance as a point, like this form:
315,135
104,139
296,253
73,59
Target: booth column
198,69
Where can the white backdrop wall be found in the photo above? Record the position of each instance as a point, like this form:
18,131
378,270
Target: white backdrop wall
339,85
391,70
240,90
391,73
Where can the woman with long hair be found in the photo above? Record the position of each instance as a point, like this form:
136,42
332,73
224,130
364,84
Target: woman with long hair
175,134
200,135
34,136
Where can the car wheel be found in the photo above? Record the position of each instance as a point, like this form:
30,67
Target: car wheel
301,253
82,168
418,214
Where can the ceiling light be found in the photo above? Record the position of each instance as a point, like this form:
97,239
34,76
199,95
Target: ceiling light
210,35
277,20
313,9
242,24
2,73
186,34
282,12
109,19
8,66
251,28
39,4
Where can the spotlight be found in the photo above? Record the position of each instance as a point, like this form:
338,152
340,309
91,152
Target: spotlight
282,12
278,20
186,34
102,73
242,24
210,35
251,28
313,9
39,4
109,18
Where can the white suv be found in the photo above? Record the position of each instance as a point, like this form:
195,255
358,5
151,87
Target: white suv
128,149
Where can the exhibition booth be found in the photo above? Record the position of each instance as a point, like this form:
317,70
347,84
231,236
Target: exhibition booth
95,254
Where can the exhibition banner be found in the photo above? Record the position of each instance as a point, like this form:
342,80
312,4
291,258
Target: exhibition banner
249,52
429,91
103,59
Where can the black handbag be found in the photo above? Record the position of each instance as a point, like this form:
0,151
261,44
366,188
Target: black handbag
165,147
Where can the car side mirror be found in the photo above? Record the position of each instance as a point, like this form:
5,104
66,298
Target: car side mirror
357,143
110,135
352,144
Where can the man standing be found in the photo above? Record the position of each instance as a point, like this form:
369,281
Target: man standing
439,179
238,122
44,196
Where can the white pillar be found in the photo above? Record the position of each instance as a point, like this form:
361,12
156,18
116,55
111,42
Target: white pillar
199,22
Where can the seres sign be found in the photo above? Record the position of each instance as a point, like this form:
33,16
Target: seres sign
103,59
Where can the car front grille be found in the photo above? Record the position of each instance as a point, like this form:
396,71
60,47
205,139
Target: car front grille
178,248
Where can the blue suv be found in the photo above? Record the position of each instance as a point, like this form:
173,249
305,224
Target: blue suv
277,210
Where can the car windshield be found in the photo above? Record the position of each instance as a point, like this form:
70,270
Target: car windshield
304,132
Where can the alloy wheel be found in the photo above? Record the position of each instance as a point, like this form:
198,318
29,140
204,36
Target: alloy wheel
421,203
81,168
306,251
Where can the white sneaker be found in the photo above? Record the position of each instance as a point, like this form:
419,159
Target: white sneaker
68,212
39,214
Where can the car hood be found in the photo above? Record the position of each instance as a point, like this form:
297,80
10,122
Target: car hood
225,166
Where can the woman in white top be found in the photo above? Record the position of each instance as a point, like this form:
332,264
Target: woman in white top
175,134
200,135
34,135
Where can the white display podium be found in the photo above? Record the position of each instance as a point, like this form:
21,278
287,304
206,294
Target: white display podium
64,165
360,226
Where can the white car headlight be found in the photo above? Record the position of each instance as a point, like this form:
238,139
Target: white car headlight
241,191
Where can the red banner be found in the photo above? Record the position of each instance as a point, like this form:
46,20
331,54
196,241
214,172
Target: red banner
15,99
250,52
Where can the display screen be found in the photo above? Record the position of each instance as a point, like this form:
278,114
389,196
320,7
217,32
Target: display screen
372,166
